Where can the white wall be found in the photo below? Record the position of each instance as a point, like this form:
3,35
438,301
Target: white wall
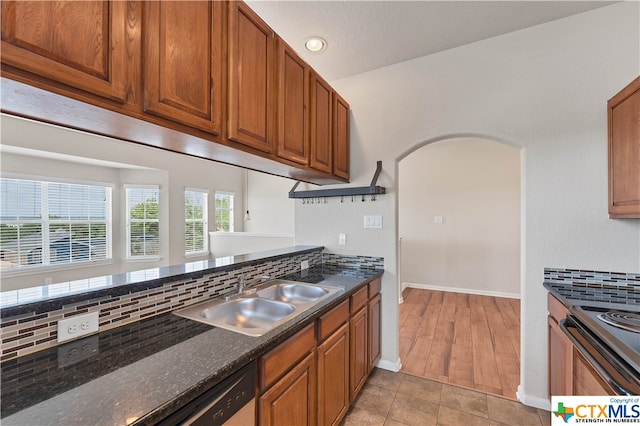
172,172
545,89
474,185
272,212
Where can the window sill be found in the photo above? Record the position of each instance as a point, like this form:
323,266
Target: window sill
142,259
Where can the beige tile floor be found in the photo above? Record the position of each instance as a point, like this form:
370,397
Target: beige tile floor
395,399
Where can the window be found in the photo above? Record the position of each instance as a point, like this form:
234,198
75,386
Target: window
195,216
50,223
224,211
143,232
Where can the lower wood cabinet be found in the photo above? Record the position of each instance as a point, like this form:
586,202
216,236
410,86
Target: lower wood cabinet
560,351
569,372
359,360
333,373
291,400
314,376
586,381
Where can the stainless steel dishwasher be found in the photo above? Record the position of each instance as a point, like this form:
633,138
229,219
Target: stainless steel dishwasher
231,403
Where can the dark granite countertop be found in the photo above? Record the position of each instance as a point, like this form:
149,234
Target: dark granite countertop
142,372
607,296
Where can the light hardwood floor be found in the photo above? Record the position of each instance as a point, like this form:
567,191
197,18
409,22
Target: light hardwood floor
462,339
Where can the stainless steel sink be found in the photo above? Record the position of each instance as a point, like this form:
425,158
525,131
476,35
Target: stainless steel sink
293,292
256,311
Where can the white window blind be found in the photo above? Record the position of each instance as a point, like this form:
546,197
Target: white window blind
49,223
195,227
143,224
224,211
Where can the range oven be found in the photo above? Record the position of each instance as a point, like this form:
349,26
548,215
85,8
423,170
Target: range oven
610,340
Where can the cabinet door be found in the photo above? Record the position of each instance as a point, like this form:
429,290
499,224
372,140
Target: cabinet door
333,377
251,79
359,361
321,131
624,152
340,137
586,382
183,62
291,400
375,309
77,43
560,361
293,117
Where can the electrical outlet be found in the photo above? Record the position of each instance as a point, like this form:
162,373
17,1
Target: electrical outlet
304,265
77,326
342,239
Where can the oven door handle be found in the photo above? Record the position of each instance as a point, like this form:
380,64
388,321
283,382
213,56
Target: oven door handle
569,323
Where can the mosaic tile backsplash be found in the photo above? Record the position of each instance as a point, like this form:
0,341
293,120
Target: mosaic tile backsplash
580,284
31,332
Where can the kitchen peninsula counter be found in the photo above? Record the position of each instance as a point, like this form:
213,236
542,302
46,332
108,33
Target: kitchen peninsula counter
141,372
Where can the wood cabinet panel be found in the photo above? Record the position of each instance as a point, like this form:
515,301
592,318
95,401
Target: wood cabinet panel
291,401
624,152
321,124
340,137
274,364
358,357
560,361
293,117
557,310
330,322
374,346
251,79
333,377
359,299
586,381
183,62
79,44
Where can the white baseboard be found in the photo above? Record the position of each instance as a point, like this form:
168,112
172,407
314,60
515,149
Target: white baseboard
390,365
533,401
461,290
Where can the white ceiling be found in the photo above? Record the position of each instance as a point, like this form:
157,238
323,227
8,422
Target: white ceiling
365,35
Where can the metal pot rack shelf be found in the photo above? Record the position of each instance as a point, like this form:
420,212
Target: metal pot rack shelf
371,190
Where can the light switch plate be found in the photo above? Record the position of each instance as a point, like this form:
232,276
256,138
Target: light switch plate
373,221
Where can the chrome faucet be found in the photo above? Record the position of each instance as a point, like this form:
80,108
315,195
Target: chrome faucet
243,284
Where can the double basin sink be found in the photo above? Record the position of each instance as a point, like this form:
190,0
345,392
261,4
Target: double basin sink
256,311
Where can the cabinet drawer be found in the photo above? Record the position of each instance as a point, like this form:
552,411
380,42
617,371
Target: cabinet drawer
330,322
359,299
374,287
557,310
282,359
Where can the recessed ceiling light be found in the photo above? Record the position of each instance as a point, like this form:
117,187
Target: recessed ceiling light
315,44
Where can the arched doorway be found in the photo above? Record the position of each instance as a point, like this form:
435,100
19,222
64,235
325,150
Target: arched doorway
459,257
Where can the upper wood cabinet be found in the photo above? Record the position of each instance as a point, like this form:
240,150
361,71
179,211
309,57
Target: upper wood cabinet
340,137
252,100
321,124
204,78
624,152
78,43
183,62
293,95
